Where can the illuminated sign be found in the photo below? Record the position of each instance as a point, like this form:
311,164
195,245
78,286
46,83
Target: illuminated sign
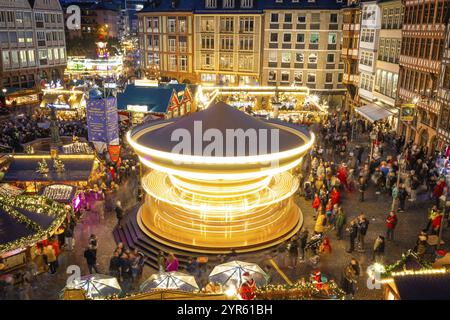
137,108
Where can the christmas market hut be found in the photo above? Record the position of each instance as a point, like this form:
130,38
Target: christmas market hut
25,221
428,284
32,172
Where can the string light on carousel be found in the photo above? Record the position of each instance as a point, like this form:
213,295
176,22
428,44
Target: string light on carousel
58,165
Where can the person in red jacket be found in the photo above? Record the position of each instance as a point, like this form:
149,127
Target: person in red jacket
391,223
436,223
247,291
438,190
335,196
316,204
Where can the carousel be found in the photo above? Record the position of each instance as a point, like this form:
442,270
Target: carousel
209,203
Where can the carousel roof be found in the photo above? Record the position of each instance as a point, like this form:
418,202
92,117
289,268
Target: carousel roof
220,116
25,220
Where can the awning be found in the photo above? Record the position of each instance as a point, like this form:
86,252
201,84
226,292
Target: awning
374,112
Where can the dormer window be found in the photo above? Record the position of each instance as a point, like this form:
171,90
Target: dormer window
228,3
246,3
211,4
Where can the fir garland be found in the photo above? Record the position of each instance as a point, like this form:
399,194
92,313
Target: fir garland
400,264
300,291
36,204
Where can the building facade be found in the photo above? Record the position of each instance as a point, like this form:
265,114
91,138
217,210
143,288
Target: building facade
351,16
228,43
423,37
32,42
302,46
443,96
167,42
388,55
368,48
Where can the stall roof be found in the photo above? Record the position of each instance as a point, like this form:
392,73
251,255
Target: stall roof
157,99
374,112
16,234
423,286
23,168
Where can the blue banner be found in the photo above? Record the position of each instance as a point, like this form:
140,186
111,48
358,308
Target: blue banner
102,120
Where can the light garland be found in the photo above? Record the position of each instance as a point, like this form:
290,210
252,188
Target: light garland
38,204
300,291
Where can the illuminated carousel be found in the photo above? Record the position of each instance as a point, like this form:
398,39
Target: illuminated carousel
211,187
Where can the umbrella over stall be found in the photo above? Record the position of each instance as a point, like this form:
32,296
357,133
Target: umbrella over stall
96,286
170,280
230,273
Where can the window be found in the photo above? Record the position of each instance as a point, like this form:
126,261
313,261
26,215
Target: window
172,22
207,24
332,38
246,43
207,60
288,18
246,3
211,4
287,37
5,59
56,53
314,38
273,56
298,77
183,44
50,54
29,37
31,58
311,78
328,78
246,24
228,3
226,43
312,58
333,18
183,25
299,57
274,37
155,25
286,57
19,18
13,37
21,37
14,57
226,61
61,53
301,18
285,76
340,76
246,62
172,62
300,38
272,75
274,18
207,42
226,24
315,18
330,58
172,44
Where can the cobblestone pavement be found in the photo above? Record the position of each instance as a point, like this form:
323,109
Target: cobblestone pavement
410,223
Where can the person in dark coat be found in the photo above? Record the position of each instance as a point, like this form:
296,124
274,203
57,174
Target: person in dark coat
362,187
402,195
363,226
353,229
114,265
90,255
302,241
